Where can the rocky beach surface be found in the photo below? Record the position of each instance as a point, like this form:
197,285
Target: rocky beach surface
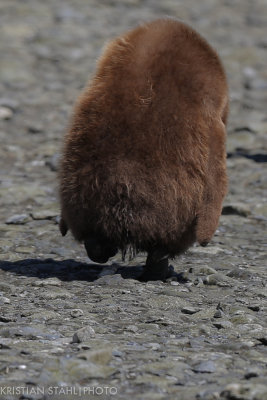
73,329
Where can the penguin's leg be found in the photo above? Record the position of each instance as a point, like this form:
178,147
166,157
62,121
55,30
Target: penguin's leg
157,266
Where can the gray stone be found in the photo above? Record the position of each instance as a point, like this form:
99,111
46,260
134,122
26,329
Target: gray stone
101,356
34,332
244,391
84,334
219,279
110,280
109,270
7,317
239,273
53,162
213,250
5,113
206,270
218,314
44,214
78,369
73,369
205,367
223,324
9,103
54,292
189,310
132,328
36,128
18,219
7,287
76,312
4,300
48,282
44,315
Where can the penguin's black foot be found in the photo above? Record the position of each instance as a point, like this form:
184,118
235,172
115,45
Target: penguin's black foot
163,276
157,267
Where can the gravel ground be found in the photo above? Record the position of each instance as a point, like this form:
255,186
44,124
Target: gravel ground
73,329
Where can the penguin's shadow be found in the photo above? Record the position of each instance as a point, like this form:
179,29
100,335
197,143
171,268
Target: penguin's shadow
67,270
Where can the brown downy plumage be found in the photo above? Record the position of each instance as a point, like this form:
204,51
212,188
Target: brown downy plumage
144,160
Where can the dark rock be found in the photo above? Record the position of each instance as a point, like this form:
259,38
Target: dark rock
189,310
236,209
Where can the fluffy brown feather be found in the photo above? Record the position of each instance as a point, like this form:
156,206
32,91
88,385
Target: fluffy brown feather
144,159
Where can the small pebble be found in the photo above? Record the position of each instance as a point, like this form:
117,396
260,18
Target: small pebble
99,356
48,282
110,280
18,219
206,270
76,312
223,324
153,346
244,391
219,279
53,162
4,300
25,249
6,102
189,310
218,314
251,374
36,128
44,214
205,367
132,328
83,334
5,113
